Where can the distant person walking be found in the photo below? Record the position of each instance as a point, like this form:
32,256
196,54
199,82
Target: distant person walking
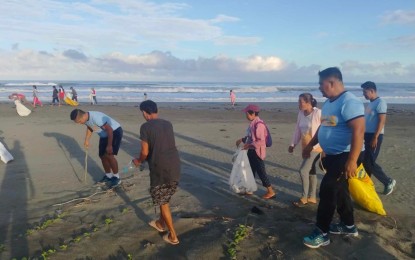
145,97
255,143
110,135
55,96
74,94
158,147
36,100
341,136
93,97
61,95
233,98
375,117
308,121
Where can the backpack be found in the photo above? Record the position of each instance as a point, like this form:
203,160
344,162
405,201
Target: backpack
268,138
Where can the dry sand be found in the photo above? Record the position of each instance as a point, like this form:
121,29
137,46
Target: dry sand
49,169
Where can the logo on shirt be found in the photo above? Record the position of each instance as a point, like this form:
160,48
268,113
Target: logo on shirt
329,120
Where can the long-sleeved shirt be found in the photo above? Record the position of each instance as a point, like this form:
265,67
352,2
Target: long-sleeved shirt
257,134
306,128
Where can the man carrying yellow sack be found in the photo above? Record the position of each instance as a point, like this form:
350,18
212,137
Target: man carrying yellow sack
341,137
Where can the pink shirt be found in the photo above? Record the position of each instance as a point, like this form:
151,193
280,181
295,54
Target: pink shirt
233,96
257,134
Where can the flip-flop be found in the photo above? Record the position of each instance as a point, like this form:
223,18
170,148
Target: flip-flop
312,202
154,225
299,204
269,197
167,240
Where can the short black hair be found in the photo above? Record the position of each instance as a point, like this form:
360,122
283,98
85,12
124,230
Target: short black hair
331,72
76,113
369,85
149,106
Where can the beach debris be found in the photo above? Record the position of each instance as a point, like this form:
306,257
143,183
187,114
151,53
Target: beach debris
256,210
88,198
147,244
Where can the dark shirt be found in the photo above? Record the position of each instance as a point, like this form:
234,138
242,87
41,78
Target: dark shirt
163,158
74,93
55,93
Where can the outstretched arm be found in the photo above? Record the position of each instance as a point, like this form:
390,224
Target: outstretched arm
87,136
143,154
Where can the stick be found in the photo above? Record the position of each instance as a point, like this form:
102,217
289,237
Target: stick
84,198
86,164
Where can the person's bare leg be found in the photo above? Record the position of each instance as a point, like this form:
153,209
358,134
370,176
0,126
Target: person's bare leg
113,163
160,222
106,164
166,215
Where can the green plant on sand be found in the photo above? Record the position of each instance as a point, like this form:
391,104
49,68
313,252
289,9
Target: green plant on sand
241,232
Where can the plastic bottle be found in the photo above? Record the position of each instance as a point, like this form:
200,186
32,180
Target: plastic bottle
130,167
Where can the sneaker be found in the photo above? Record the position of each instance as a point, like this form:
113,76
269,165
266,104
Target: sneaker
316,239
114,182
104,180
342,229
389,187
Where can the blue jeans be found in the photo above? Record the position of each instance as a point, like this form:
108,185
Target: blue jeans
369,161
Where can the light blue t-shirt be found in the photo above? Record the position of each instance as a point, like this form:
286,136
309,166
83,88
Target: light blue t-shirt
97,120
334,134
372,111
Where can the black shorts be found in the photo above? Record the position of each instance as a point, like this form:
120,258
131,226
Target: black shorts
116,142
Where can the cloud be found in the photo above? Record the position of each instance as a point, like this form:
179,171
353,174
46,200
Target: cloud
224,18
407,41
354,46
164,66
101,25
379,71
237,40
399,17
75,55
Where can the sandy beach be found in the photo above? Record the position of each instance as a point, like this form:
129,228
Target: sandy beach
47,208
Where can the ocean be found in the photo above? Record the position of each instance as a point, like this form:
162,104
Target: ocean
129,91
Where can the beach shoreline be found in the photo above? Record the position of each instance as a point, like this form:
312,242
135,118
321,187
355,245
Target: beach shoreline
48,170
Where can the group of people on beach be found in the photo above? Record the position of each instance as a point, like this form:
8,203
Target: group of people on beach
58,96
340,136
343,134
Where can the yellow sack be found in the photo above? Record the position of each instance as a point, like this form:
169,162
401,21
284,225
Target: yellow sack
362,190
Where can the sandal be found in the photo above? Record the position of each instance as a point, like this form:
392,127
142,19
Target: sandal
153,224
312,201
269,196
168,240
299,204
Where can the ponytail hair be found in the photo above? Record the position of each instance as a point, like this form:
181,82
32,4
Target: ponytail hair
308,98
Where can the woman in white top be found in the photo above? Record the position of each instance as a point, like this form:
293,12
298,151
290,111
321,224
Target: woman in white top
308,121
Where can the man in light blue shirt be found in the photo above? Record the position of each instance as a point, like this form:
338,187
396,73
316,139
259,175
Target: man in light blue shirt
110,133
341,137
375,117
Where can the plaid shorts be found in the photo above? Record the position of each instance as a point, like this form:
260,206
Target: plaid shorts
161,194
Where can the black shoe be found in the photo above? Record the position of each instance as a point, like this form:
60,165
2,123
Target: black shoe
104,180
114,182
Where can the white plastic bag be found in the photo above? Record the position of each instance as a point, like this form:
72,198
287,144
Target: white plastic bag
242,179
5,156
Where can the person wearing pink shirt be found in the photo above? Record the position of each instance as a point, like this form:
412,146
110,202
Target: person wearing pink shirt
255,143
233,97
308,121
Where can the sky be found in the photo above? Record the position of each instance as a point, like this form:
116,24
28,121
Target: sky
214,41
